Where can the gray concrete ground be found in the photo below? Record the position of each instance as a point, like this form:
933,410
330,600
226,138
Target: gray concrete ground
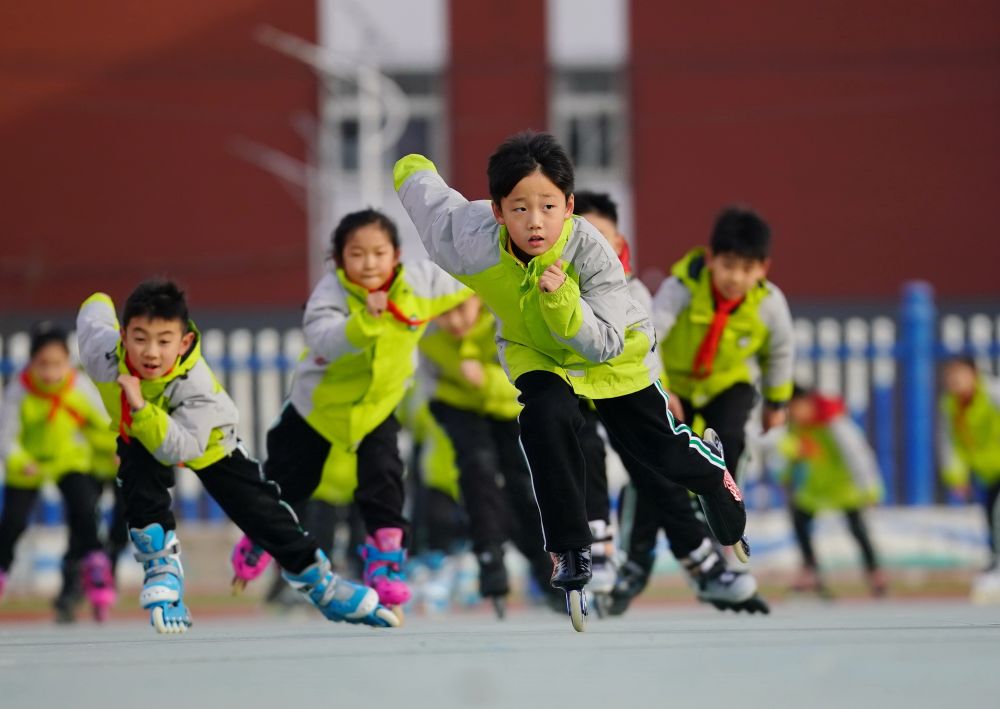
942,654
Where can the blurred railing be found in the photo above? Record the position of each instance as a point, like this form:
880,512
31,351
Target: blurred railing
884,368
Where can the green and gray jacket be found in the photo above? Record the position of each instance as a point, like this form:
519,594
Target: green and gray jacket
758,332
357,367
970,436
188,418
590,331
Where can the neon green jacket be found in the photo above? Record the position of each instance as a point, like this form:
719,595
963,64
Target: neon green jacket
590,331
760,330
357,367
831,466
443,355
970,436
58,429
188,418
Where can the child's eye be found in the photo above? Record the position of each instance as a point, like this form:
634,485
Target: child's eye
520,209
550,206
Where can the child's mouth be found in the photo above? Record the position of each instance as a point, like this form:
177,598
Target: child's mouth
536,240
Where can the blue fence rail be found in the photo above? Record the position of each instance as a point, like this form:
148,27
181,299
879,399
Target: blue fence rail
883,367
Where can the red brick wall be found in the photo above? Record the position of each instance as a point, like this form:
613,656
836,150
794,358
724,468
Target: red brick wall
497,82
865,132
116,127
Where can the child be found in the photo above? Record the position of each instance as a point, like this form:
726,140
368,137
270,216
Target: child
362,324
830,467
970,438
567,327
170,410
714,316
53,428
473,401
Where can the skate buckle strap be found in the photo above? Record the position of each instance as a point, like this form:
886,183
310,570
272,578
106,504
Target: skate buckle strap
373,553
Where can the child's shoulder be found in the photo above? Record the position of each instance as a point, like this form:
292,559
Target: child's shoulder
586,246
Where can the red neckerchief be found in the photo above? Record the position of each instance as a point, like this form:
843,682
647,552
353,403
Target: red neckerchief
625,257
393,308
705,357
56,397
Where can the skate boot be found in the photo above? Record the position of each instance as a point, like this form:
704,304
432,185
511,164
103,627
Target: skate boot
163,589
726,523
877,584
70,594
571,571
633,577
493,582
384,555
724,588
98,584
603,567
338,599
249,562
809,581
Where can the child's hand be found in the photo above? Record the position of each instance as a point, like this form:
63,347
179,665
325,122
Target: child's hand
552,278
30,470
472,370
133,392
674,405
772,418
377,302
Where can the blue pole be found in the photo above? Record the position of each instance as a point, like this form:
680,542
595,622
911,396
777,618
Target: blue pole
917,323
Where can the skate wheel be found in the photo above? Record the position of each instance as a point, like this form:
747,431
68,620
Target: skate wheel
742,550
499,606
239,585
577,602
400,616
100,613
164,626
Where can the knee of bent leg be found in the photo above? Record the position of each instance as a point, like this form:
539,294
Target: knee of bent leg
546,399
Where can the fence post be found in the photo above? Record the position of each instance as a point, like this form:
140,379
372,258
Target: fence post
917,323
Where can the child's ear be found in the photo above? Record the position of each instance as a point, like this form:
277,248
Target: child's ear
496,212
570,204
186,342
765,266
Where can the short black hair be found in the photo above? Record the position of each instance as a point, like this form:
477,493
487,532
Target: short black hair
741,231
599,203
156,299
521,155
45,333
356,220
800,391
963,359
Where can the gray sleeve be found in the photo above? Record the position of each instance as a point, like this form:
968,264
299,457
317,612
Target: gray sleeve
604,299
10,418
670,299
641,295
431,281
87,388
199,410
777,357
858,454
98,337
444,219
325,322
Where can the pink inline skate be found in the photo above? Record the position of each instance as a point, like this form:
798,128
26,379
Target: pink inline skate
249,562
384,555
98,584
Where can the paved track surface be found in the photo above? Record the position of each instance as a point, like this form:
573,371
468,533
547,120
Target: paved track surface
803,655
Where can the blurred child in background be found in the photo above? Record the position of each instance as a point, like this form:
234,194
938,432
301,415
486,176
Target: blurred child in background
970,439
361,324
53,429
830,466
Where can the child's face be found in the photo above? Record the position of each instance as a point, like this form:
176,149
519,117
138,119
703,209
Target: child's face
959,379
50,365
154,344
733,276
369,257
801,411
608,229
460,319
534,213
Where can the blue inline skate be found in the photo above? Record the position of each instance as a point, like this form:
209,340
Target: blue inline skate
163,589
339,599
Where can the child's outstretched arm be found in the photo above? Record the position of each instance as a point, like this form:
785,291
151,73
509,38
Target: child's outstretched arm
441,214
671,298
98,335
858,455
330,330
776,356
